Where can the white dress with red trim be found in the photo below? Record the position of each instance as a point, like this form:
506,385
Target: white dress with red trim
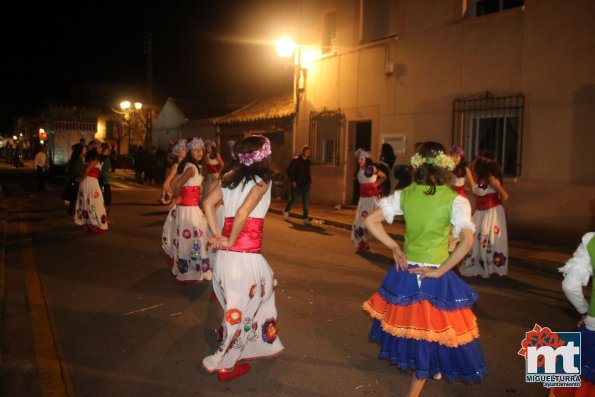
489,254
191,262
90,209
245,287
368,201
211,174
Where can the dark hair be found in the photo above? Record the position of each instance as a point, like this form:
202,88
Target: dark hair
213,147
403,173
241,173
92,155
189,159
485,167
306,147
387,154
428,174
460,169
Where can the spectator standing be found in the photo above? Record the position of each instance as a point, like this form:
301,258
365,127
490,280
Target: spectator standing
41,167
104,177
386,163
300,181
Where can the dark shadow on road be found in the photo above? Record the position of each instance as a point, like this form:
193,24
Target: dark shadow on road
144,204
153,224
378,260
311,229
156,213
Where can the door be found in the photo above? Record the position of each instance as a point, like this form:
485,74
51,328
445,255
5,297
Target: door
360,136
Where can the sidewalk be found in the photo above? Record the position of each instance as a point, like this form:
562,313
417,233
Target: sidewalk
540,257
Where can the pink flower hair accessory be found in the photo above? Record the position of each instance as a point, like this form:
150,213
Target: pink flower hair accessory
256,156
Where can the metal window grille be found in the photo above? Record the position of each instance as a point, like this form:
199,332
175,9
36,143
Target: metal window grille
491,122
325,133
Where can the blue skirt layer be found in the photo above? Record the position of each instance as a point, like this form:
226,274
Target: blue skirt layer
448,292
587,354
464,363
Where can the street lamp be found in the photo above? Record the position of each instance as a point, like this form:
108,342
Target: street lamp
127,109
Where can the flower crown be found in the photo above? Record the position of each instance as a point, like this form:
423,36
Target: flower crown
256,156
180,145
439,159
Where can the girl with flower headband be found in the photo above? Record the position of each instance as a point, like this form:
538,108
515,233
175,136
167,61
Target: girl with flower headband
369,179
213,164
90,210
191,262
461,173
243,280
168,236
490,248
422,310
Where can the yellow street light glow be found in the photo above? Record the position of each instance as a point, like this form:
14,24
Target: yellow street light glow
285,47
309,57
138,105
14,137
125,105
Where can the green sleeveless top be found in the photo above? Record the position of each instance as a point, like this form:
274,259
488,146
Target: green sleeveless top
591,251
427,220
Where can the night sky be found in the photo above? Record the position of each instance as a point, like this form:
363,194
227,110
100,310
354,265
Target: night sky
204,51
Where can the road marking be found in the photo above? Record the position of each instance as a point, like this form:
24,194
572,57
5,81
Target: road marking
54,379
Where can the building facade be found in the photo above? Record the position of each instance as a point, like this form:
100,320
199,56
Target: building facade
512,76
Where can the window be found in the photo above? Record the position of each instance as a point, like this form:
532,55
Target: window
325,132
329,39
485,7
378,19
494,123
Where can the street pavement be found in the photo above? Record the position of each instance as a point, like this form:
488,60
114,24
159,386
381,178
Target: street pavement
116,323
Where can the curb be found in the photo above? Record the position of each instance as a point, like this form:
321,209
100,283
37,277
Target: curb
549,267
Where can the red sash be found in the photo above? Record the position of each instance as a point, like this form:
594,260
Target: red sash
212,168
368,190
189,196
460,190
488,201
94,172
250,238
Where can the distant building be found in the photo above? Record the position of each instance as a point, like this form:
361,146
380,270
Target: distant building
180,119
65,126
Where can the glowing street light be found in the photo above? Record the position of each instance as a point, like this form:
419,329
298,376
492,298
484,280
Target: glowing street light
285,47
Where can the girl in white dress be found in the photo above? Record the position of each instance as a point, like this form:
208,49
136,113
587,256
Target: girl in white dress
90,211
191,263
178,152
243,280
490,244
369,178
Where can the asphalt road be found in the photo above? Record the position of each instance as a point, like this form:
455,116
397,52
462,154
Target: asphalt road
117,324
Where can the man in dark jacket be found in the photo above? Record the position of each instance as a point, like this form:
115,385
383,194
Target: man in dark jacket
300,180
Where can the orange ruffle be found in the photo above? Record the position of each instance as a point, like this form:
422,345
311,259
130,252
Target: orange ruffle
587,389
422,321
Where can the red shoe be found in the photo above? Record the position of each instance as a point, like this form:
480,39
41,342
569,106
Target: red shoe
363,246
237,371
97,230
86,229
213,297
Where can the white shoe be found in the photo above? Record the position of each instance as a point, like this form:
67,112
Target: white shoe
285,215
307,222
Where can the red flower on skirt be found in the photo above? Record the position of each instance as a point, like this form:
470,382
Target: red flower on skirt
496,230
252,291
269,331
186,233
233,316
95,194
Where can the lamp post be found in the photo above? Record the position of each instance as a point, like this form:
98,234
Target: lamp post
285,49
127,112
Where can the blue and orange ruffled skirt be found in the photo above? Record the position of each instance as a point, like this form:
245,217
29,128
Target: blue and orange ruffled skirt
427,327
